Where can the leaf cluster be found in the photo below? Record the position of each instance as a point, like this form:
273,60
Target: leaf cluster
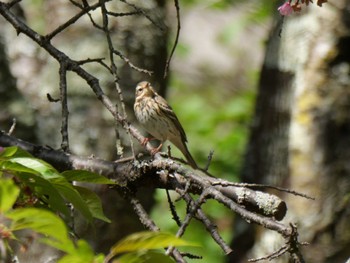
35,196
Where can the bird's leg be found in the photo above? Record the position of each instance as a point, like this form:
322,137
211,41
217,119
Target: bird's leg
146,140
155,150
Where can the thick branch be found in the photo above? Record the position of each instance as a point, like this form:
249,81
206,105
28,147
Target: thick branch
148,173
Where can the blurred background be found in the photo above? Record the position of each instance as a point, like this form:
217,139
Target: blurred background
269,96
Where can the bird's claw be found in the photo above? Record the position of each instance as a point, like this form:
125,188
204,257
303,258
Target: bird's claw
145,141
155,150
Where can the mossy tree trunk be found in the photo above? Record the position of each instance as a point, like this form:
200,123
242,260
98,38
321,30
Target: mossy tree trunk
300,138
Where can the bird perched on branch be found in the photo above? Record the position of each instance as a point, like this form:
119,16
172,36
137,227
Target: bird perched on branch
159,120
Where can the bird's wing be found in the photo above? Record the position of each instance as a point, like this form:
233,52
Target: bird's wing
166,109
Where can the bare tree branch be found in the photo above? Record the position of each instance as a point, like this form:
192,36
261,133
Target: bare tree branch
148,173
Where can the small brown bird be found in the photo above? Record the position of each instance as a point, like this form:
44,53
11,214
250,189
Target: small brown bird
159,119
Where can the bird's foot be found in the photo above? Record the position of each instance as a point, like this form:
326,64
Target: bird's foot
146,140
155,150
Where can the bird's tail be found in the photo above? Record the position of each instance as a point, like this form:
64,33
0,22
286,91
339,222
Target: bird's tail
190,159
183,148
180,143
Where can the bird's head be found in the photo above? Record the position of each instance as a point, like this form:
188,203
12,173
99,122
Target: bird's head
144,89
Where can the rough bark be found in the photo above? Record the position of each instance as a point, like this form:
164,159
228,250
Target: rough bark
300,134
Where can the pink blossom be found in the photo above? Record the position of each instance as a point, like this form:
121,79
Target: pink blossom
285,9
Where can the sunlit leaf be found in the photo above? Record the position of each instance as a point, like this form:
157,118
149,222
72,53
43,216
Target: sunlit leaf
13,167
14,151
93,202
149,256
8,151
86,176
8,194
82,254
43,222
38,165
147,240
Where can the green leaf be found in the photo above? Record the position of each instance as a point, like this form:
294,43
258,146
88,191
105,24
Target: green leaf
45,190
14,151
72,196
15,167
82,254
42,167
8,151
93,202
147,240
86,176
43,222
8,194
50,183
59,186
149,256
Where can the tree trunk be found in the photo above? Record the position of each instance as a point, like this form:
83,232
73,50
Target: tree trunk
300,134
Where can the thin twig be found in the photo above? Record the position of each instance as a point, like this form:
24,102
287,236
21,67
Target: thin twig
192,209
173,209
72,20
169,151
64,103
76,4
131,65
12,3
149,223
211,228
177,6
142,214
50,98
97,60
121,98
13,126
210,157
140,10
116,78
273,255
123,14
195,210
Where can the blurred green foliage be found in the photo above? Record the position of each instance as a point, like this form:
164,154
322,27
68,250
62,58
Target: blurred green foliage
214,123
